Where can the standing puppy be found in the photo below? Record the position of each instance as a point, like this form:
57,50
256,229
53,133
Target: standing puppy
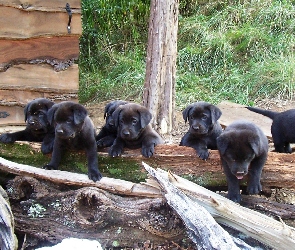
203,127
73,130
38,128
134,130
282,128
108,132
243,150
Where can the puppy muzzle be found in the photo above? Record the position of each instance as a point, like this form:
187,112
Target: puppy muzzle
196,129
60,133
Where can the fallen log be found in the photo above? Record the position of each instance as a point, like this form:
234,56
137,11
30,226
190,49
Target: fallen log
8,240
259,226
59,205
203,229
49,213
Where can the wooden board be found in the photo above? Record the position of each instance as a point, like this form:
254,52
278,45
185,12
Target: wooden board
232,111
24,51
22,24
52,5
40,76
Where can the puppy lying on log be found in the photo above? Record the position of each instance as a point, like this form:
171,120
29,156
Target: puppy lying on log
134,130
108,132
204,127
38,128
73,130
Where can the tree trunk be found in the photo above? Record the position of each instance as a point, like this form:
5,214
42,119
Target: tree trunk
159,86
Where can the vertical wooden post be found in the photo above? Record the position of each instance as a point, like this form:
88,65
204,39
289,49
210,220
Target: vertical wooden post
159,86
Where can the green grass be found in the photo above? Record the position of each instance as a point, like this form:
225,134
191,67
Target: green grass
240,51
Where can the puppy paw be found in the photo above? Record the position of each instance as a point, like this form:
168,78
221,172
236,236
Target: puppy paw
147,151
94,175
104,142
46,148
7,138
204,154
115,151
234,197
254,188
50,167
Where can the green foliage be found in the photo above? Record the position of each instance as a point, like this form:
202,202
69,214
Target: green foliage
227,50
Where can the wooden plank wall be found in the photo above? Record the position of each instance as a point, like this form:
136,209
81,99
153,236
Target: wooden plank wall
38,56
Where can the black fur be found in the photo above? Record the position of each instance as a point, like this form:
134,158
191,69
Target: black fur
204,127
243,150
38,129
108,132
282,128
134,130
73,130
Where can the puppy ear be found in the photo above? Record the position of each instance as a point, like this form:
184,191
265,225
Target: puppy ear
80,113
145,116
222,143
215,113
116,115
48,104
255,144
185,113
51,112
26,109
106,109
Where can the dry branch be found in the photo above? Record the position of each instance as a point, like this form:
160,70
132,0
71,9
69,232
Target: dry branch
63,177
202,228
259,226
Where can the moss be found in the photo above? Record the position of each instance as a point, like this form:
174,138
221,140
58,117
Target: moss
122,168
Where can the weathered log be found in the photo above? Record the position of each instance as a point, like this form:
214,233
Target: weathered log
278,172
28,190
48,213
203,229
261,227
8,240
63,177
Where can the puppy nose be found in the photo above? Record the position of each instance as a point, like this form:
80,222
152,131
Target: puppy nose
196,127
31,122
126,132
59,131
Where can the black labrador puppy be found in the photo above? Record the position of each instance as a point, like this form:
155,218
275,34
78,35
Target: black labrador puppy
73,130
38,128
134,130
282,128
243,150
204,127
108,132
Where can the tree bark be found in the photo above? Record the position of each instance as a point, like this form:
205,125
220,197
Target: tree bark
159,86
48,213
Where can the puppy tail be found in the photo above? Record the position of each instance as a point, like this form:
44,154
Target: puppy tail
267,113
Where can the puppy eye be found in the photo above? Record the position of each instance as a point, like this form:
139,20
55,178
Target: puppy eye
134,122
69,121
204,117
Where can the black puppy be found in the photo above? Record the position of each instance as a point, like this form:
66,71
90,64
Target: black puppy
203,127
134,130
243,150
73,130
282,128
108,132
38,129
